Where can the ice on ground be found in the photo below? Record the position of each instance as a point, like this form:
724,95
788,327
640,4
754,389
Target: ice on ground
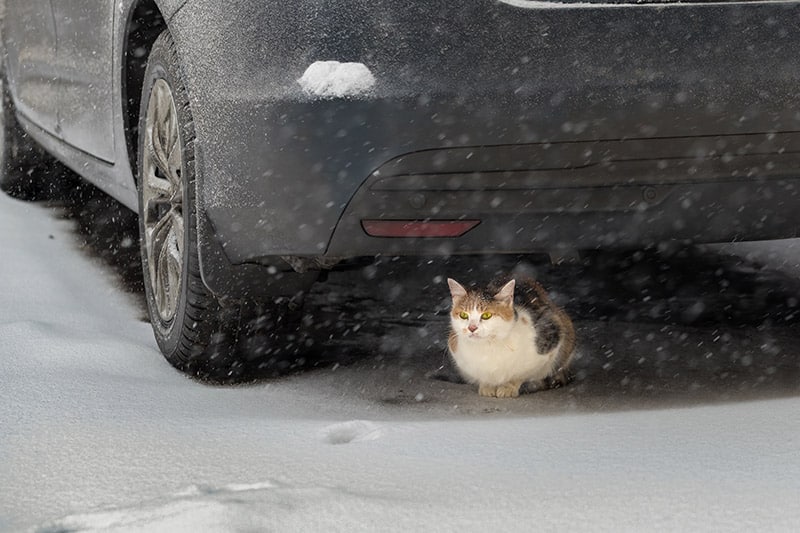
332,79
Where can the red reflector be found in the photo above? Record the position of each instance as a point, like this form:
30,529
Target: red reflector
418,228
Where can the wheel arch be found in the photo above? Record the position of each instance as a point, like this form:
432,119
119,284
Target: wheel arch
144,23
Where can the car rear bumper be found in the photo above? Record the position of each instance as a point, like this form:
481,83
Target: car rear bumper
554,128
583,195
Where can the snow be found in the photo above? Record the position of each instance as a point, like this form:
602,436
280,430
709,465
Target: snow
332,79
661,4
541,4
99,433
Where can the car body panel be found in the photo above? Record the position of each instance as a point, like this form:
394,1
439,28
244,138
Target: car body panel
583,195
94,114
85,79
30,37
619,125
553,76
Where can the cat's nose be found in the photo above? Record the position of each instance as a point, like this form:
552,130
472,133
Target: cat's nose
472,327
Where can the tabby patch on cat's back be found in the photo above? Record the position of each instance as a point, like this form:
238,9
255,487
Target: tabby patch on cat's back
508,335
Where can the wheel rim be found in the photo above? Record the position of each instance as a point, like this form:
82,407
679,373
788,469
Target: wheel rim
162,200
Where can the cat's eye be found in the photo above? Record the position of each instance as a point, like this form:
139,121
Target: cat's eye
486,316
463,315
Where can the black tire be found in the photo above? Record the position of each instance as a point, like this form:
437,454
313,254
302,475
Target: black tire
194,330
186,327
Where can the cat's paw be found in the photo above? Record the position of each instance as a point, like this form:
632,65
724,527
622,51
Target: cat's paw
489,391
562,378
509,390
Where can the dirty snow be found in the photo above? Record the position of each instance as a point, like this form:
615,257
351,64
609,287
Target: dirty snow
332,79
98,433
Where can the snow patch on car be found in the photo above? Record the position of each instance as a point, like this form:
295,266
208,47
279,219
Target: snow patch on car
332,79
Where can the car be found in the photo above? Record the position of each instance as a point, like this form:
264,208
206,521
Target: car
264,143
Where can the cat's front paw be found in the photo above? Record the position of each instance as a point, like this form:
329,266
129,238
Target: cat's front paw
509,390
488,391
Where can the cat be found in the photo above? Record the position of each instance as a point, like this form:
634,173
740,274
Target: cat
499,345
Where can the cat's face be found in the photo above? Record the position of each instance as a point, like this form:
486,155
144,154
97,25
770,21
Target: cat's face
476,316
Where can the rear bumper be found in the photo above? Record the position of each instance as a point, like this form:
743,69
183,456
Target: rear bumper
588,195
555,127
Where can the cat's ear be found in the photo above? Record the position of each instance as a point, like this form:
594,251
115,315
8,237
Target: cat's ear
456,289
506,295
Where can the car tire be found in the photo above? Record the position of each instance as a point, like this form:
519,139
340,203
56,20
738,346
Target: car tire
197,332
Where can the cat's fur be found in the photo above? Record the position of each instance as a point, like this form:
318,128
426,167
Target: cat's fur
531,341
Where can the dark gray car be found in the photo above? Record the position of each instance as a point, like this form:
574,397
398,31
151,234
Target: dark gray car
262,143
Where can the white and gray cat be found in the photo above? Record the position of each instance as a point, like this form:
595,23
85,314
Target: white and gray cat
500,345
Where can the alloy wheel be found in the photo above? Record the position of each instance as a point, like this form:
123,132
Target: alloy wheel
163,197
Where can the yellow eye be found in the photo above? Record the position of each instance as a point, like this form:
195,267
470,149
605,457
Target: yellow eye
486,316
464,315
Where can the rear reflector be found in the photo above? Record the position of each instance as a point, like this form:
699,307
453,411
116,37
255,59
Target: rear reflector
418,228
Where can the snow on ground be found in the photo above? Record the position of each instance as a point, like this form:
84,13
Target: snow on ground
668,426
